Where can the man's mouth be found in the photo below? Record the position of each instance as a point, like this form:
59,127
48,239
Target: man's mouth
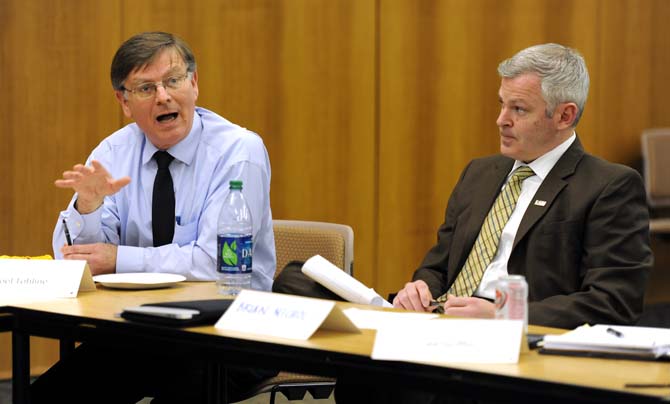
167,117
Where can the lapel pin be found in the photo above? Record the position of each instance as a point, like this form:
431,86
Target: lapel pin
540,203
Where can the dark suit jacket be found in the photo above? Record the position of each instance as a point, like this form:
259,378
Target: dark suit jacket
585,254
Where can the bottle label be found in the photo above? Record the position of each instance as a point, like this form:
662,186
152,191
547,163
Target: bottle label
234,254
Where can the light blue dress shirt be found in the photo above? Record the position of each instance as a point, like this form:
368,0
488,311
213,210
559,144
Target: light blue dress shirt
214,152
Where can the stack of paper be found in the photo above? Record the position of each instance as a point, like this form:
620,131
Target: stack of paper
612,341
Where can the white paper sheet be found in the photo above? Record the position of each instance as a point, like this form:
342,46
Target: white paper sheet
341,283
444,341
376,319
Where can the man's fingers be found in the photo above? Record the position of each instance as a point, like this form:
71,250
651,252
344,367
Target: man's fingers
410,296
116,185
78,249
96,165
455,301
98,168
82,169
82,257
64,183
458,311
401,300
424,293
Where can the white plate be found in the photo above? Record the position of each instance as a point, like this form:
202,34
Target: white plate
140,280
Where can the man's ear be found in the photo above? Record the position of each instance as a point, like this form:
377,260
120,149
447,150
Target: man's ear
194,82
124,103
566,114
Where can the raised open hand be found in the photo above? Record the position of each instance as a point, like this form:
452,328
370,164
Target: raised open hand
91,183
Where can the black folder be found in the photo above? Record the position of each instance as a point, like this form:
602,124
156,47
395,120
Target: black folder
209,312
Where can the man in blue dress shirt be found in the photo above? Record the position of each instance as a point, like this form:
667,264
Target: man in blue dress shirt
110,216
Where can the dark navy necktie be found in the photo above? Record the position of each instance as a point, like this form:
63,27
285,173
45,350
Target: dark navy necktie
162,206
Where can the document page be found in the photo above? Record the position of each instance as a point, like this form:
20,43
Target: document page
341,283
376,319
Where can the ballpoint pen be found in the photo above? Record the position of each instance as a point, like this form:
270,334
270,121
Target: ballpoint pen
67,233
614,332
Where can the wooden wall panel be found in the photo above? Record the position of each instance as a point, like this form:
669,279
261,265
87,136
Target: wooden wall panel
438,97
620,101
56,104
301,74
660,64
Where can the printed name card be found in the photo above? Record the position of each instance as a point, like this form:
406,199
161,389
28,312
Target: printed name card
444,341
284,316
42,279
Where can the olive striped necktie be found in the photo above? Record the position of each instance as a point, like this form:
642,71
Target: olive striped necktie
486,245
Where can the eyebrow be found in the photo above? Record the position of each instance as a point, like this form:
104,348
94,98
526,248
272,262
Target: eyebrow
171,72
514,100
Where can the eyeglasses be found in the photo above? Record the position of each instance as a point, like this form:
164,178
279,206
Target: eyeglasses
148,90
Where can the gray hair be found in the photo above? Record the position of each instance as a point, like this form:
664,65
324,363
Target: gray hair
562,71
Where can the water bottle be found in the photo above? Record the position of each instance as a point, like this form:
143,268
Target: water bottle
234,243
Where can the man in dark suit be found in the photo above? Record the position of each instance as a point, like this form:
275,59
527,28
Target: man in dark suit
577,226
580,230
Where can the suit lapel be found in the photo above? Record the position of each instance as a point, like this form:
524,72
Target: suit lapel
550,188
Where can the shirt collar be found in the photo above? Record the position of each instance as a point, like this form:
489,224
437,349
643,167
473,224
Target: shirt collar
183,151
543,164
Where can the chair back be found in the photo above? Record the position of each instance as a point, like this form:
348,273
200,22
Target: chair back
297,240
655,155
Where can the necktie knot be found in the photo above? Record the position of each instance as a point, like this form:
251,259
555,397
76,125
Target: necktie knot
522,173
163,159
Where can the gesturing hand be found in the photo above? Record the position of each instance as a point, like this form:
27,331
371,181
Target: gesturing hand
91,183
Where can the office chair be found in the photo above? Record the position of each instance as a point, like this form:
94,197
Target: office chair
655,152
298,241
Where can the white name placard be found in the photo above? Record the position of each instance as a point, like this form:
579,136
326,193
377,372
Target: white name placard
284,316
26,279
444,341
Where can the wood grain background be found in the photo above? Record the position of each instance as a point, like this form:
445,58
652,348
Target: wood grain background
369,108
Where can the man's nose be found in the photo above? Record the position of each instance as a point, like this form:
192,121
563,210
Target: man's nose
162,94
503,119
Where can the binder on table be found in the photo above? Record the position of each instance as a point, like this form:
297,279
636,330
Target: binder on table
611,341
208,312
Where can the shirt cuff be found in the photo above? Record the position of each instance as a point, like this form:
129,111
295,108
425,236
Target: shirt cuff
129,259
90,222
